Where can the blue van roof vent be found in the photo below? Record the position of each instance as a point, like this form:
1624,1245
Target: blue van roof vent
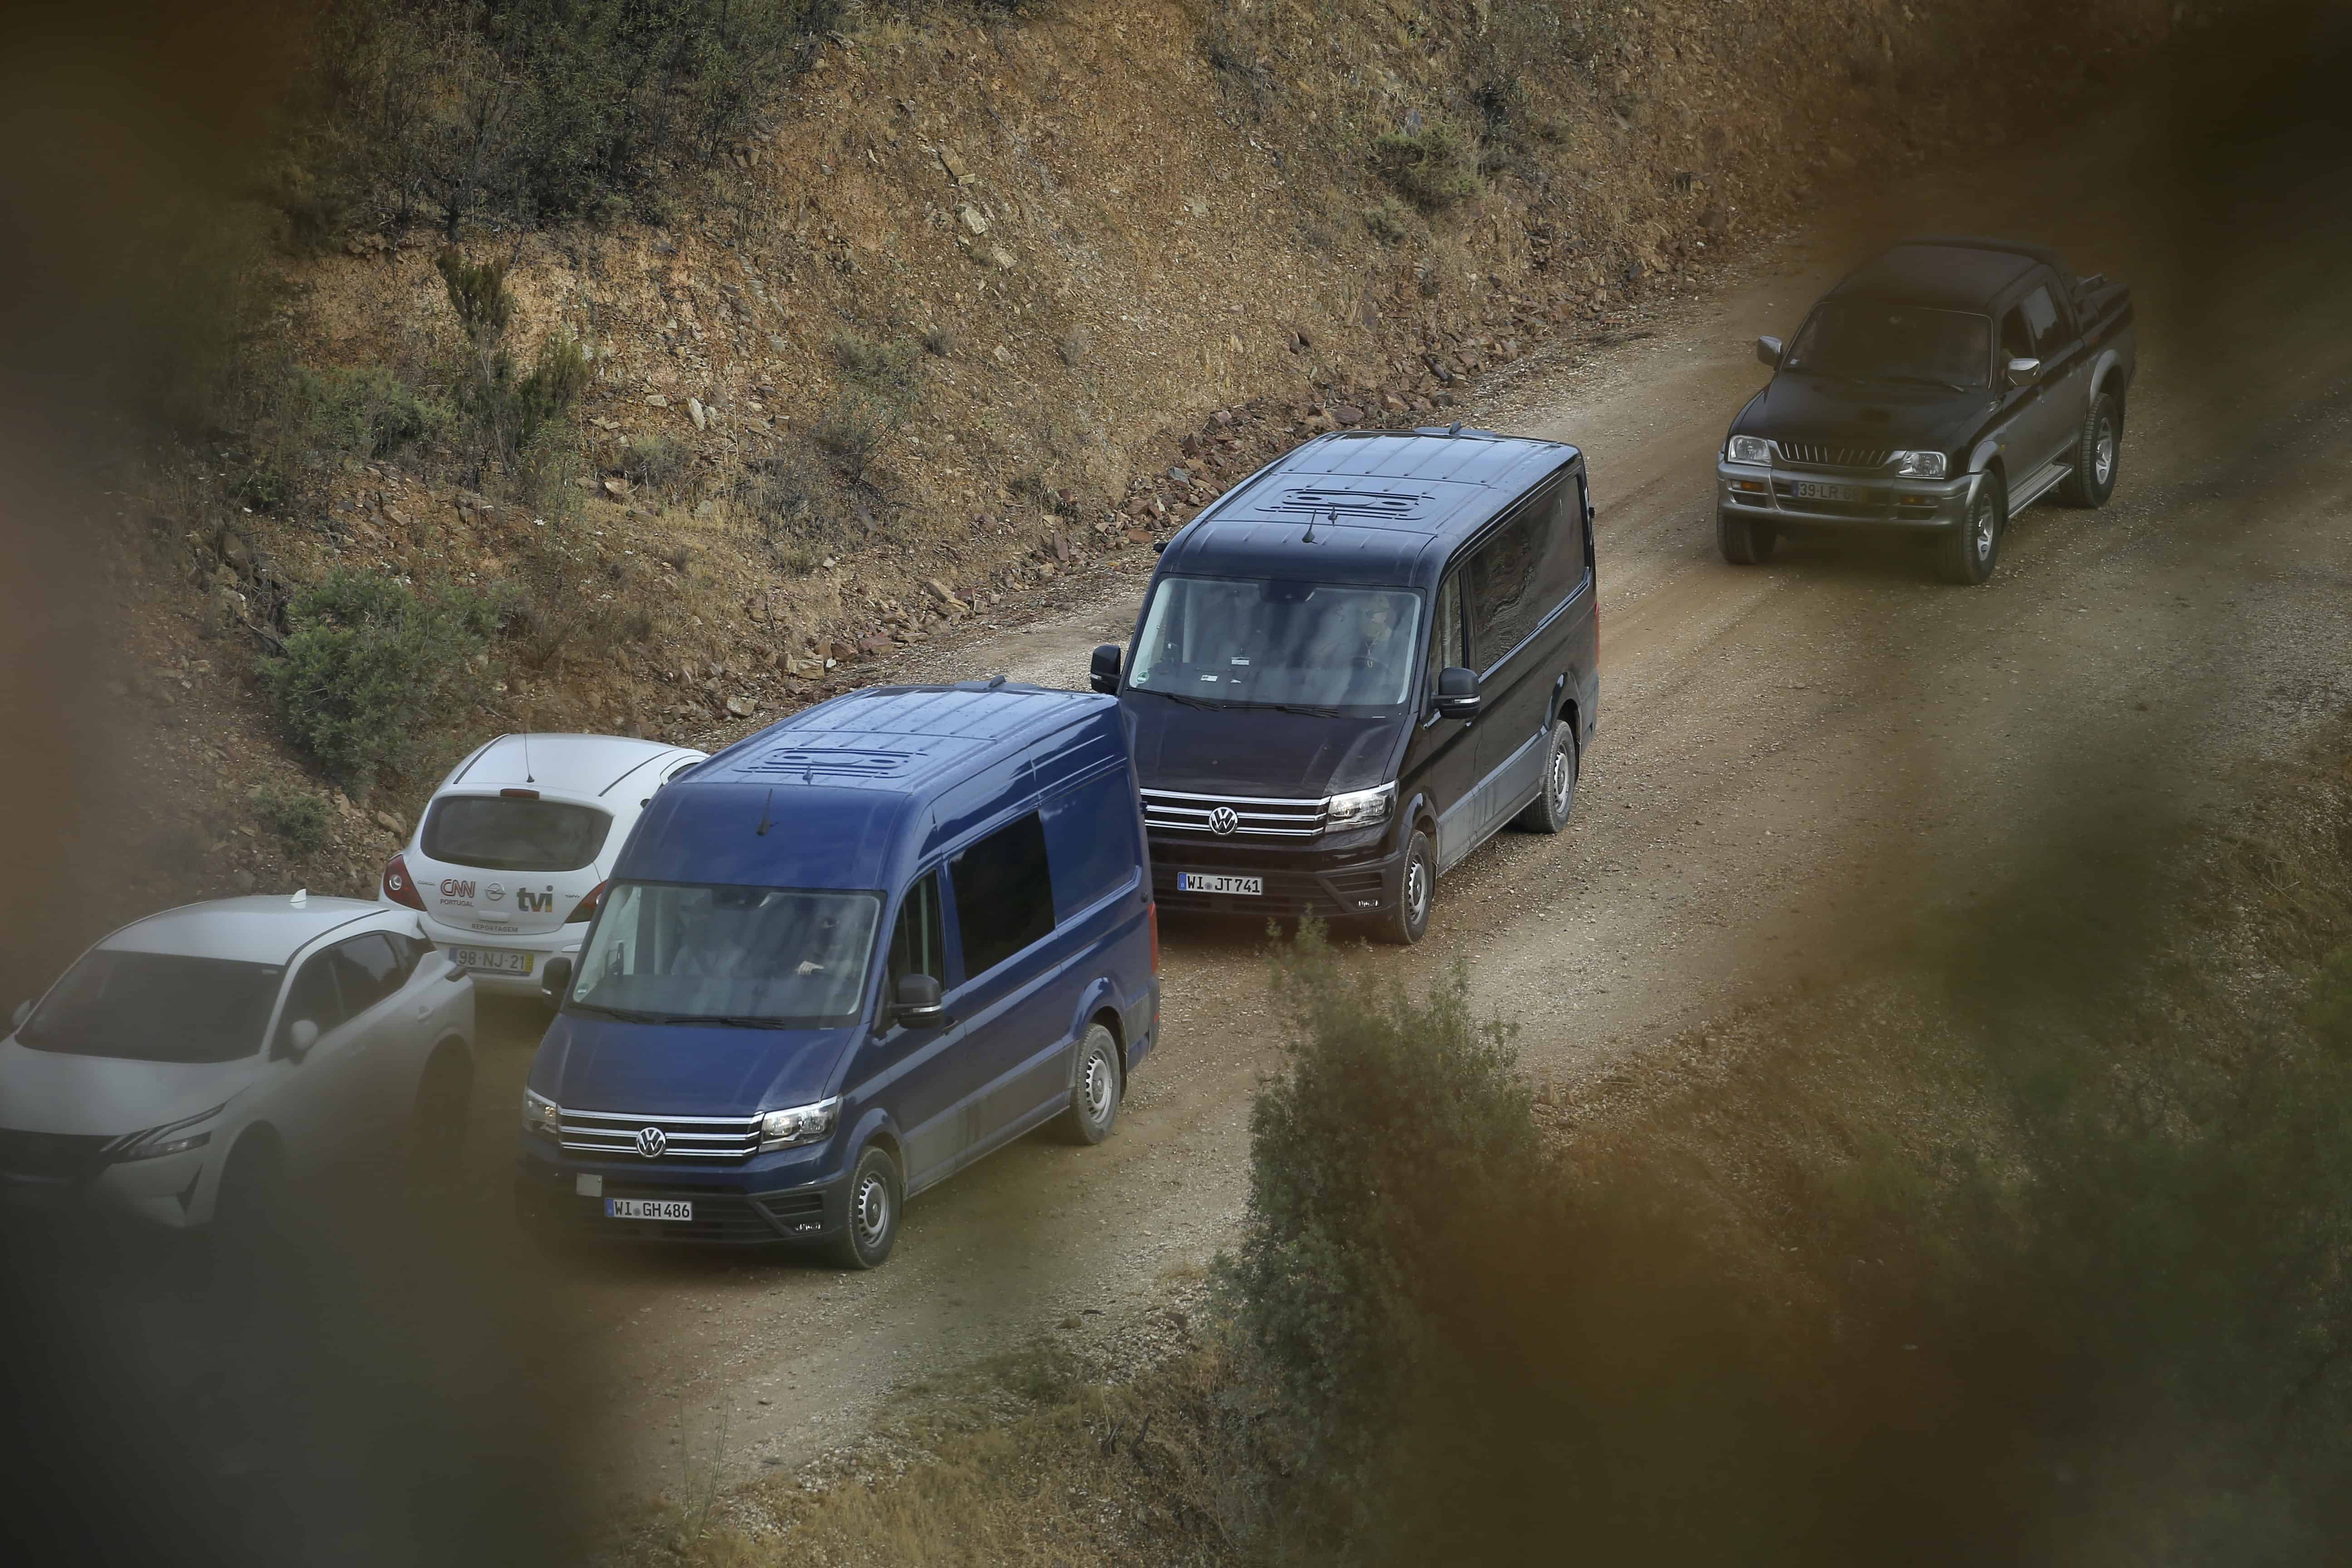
842,764
1324,503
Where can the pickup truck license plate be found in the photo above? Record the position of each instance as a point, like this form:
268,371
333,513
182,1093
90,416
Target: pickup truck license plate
1808,490
1207,883
649,1209
493,960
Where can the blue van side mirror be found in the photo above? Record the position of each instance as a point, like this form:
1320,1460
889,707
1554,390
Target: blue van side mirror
555,977
1457,692
917,1002
1103,674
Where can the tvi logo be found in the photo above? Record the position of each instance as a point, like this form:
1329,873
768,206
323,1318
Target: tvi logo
539,902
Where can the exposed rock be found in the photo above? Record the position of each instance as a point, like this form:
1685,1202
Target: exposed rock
1000,257
740,707
390,824
695,412
972,218
957,173
1347,414
241,879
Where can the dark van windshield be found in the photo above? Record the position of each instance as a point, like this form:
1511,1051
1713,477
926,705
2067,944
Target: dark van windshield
1235,642
500,833
155,1007
1871,340
670,953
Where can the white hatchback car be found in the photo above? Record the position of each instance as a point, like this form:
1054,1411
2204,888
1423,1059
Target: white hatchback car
507,863
216,1056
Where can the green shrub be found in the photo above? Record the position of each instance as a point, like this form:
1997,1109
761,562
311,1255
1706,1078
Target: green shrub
369,664
1387,221
852,429
1434,168
508,408
369,412
891,373
656,461
297,816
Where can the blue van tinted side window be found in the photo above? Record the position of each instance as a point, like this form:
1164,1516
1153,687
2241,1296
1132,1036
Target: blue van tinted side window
1004,896
1090,840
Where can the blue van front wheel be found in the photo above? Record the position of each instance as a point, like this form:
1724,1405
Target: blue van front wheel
871,1226
1093,1089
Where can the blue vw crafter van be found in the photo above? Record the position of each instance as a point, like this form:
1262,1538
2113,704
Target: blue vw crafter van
843,960
1358,666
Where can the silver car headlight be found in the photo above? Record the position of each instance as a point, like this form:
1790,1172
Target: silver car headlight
1749,449
1360,808
800,1124
171,1138
542,1115
1919,465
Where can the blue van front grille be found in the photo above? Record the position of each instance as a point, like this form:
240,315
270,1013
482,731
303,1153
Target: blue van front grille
622,1135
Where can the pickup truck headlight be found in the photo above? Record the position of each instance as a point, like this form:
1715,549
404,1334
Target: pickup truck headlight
540,1115
1362,808
1919,465
800,1124
1749,449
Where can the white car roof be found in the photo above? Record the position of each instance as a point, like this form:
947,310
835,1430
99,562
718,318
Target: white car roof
261,929
583,766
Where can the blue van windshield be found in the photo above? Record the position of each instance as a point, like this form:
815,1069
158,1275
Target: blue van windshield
667,952
1238,643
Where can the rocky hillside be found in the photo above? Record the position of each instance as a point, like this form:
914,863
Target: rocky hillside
978,295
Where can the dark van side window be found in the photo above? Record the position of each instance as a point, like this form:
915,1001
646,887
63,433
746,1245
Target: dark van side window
1447,650
1518,576
919,945
1003,895
1090,840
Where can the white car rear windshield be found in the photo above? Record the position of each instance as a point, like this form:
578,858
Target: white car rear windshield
155,1007
499,833
768,957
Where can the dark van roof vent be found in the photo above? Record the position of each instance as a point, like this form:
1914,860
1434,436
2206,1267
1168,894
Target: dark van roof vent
1348,503
807,760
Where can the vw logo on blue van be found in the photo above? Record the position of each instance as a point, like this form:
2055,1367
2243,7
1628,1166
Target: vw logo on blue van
1224,819
651,1142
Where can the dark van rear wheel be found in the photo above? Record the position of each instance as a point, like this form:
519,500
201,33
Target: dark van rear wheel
1094,1090
1548,812
1407,918
871,1229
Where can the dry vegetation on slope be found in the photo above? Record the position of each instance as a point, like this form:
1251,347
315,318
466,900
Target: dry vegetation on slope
962,297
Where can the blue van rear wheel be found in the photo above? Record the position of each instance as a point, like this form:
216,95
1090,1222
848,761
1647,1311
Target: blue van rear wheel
871,1227
1095,1089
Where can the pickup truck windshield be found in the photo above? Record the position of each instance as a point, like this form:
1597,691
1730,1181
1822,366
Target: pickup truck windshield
667,952
1872,340
1240,643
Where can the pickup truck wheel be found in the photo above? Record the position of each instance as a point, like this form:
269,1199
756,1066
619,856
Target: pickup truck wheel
1744,541
1548,812
1968,554
872,1225
2097,454
1404,924
1094,1092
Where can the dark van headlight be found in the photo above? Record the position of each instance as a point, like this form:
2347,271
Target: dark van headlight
1362,808
800,1124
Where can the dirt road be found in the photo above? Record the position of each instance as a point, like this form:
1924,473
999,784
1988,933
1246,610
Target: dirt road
1797,766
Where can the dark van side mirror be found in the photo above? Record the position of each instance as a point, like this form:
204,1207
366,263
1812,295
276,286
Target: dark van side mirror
917,1002
1457,692
1769,350
1103,674
555,977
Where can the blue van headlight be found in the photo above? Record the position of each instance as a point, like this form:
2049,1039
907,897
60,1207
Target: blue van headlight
800,1124
1362,808
539,1115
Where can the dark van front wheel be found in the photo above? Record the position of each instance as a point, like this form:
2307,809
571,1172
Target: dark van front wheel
1407,918
876,1194
1093,1091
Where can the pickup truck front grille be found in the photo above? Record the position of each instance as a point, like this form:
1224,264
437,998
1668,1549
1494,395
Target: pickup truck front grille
1839,459
1241,817
616,1135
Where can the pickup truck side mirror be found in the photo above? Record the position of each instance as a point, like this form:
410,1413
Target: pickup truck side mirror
918,1001
1769,350
301,1037
555,977
2024,371
1102,673
1457,694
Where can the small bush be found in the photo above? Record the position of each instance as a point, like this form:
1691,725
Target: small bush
940,342
295,816
369,412
507,406
1434,168
891,373
1387,221
369,664
1075,346
657,462
853,429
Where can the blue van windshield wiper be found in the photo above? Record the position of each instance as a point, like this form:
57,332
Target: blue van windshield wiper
627,1015
1178,697
1307,709
732,1020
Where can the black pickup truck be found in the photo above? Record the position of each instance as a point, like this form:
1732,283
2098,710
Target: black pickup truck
1938,390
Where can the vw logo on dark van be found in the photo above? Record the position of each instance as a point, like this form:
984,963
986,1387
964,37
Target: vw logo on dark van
1224,819
651,1142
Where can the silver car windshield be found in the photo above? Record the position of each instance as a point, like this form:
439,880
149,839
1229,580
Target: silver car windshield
1240,643
767,957
155,1007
